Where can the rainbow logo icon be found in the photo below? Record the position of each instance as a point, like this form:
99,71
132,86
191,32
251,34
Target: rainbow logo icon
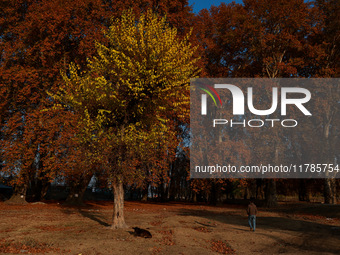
211,92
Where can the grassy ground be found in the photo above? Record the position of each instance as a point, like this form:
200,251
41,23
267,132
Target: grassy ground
177,228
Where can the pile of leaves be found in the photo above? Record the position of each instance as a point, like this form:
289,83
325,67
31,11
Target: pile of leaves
156,250
167,237
221,247
202,229
27,246
156,223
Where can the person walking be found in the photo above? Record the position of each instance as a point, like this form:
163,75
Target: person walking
252,211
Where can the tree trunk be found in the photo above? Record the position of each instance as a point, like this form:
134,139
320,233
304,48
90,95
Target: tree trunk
194,197
77,191
172,189
270,193
145,192
163,192
118,220
329,184
304,194
245,194
213,194
38,190
19,195
44,190
330,191
259,194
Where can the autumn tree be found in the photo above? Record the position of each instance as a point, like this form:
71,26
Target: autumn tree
278,43
38,39
136,81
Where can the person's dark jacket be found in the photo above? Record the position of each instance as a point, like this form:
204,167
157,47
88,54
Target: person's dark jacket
252,210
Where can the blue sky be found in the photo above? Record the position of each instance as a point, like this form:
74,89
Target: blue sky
201,4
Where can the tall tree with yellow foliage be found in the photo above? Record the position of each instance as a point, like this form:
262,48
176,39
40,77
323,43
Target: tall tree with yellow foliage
136,85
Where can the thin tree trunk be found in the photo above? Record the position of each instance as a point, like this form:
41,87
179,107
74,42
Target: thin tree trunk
245,194
270,192
330,191
44,190
213,194
194,198
118,220
259,194
304,193
145,192
329,183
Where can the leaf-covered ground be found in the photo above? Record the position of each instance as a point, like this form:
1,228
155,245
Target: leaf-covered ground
176,228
